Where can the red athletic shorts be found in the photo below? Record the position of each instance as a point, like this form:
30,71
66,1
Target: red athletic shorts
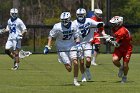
123,53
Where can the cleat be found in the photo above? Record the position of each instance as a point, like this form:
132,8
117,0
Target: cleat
84,78
15,68
93,64
120,74
88,74
124,79
76,83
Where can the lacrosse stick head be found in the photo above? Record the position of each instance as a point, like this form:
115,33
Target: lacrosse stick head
23,54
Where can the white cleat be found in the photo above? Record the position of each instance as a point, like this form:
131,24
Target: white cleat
76,83
84,79
93,64
15,68
124,79
88,74
120,74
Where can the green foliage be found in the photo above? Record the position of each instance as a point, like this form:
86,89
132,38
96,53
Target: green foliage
136,38
51,20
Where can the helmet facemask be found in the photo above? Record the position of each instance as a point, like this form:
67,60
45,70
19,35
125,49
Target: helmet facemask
81,15
65,19
14,13
65,22
116,21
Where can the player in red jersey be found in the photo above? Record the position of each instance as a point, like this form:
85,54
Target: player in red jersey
123,47
96,41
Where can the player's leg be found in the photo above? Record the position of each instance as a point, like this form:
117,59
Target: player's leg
64,58
87,54
76,69
116,61
126,59
16,48
96,51
8,46
16,64
68,67
74,57
82,69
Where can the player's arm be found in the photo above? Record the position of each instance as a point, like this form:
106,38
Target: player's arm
95,24
52,34
3,30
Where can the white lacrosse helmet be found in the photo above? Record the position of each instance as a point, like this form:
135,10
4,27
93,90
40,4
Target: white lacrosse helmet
116,21
14,13
81,14
98,13
65,18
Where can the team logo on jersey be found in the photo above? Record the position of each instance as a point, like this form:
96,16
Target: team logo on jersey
67,34
12,28
84,29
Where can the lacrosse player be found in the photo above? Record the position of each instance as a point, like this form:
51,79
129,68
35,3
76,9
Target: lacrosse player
16,29
86,33
96,41
66,38
123,46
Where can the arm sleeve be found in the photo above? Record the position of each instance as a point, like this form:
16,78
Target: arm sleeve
53,32
22,25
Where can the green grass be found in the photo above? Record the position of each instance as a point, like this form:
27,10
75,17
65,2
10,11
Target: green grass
43,74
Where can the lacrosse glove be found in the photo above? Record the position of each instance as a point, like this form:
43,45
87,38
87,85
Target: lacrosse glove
19,36
79,47
47,49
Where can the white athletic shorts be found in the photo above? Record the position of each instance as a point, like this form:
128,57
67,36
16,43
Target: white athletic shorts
13,44
87,49
66,57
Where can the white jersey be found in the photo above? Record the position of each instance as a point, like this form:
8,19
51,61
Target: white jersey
85,32
15,28
65,37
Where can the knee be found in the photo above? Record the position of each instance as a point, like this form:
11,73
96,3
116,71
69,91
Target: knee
68,67
115,59
75,62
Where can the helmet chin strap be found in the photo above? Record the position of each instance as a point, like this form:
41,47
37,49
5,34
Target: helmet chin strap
68,25
81,21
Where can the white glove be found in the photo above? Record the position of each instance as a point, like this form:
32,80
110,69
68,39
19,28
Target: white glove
115,43
106,36
2,30
79,47
19,37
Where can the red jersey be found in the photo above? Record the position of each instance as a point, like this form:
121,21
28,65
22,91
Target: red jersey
98,31
123,37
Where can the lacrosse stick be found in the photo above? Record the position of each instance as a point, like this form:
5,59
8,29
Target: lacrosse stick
104,37
23,54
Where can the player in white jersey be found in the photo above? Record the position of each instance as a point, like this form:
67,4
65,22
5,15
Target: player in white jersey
66,37
16,29
84,26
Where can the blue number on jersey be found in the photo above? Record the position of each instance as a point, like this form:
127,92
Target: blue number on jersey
85,29
13,28
67,34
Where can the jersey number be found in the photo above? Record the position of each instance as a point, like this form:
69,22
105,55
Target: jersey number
13,28
67,37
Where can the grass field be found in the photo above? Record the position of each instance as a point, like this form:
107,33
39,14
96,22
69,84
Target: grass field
43,74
